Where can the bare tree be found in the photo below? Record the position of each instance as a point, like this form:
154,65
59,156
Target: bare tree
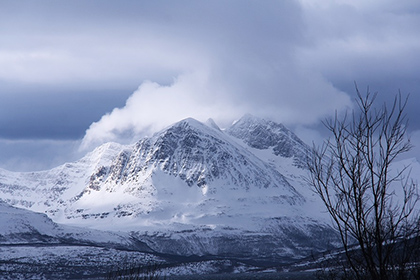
371,205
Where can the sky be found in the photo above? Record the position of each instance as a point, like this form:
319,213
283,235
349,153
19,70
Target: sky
76,74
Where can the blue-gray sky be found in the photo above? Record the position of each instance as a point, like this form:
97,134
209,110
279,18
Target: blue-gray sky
74,74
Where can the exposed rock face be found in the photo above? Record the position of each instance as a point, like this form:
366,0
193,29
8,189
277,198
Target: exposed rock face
196,154
262,134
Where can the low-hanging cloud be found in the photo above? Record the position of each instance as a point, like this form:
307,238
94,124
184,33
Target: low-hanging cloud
295,100
237,59
153,106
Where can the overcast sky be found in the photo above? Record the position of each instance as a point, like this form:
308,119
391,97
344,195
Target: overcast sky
75,74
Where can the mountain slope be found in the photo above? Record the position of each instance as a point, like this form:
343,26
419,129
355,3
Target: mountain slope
51,189
20,227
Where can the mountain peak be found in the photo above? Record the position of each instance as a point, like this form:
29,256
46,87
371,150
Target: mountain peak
249,117
211,123
264,134
191,123
188,122
197,155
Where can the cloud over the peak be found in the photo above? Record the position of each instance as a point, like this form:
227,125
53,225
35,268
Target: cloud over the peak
153,106
228,59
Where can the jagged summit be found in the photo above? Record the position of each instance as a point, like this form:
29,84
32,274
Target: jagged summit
200,156
211,123
264,134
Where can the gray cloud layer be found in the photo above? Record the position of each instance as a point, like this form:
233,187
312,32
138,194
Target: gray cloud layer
292,61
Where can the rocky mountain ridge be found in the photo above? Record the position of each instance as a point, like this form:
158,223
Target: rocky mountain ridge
190,189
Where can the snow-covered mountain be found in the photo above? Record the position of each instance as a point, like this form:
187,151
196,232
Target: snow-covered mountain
190,189
262,134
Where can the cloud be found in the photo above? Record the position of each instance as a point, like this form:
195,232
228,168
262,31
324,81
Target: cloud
415,140
154,106
36,155
291,61
234,59
371,42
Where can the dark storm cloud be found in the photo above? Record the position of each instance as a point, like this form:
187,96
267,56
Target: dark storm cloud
373,43
47,114
34,155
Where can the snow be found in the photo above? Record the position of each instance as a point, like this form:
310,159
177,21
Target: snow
190,190
187,177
